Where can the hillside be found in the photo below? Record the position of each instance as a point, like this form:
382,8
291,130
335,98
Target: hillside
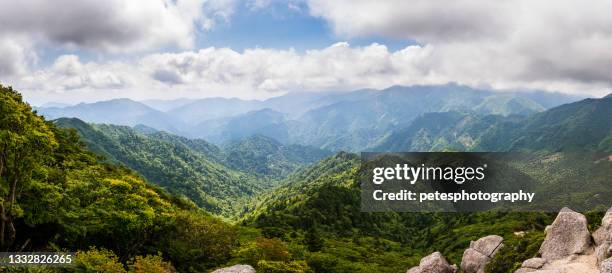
64,198
266,157
180,167
266,122
320,205
583,125
117,111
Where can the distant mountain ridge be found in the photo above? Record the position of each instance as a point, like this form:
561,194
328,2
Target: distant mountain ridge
351,121
584,125
117,111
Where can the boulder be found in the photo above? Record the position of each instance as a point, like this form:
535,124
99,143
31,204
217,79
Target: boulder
434,263
603,238
474,261
603,252
606,266
567,235
239,268
480,252
487,245
534,263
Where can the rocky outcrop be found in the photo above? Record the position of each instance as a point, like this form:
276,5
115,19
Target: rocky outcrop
567,235
480,252
568,246
434,263
239,268
603,238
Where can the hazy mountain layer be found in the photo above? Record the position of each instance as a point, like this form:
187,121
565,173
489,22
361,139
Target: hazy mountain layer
351,121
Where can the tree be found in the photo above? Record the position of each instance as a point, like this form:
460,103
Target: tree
26,141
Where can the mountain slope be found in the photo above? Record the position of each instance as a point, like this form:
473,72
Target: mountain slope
583,125
117,111
170,164
267,157
266,122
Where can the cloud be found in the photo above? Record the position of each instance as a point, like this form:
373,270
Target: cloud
563,42
260,73
513,44
112,25
15,57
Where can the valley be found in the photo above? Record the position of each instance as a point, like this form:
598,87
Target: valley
278,203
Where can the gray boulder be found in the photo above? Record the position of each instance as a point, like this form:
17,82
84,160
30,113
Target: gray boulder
480,252
534,263
606,266
434,263
239,268
567,235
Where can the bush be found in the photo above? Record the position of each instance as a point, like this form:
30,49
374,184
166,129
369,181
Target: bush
515,250
150,264
97,260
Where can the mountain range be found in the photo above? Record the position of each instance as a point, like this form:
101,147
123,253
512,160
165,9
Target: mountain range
351,121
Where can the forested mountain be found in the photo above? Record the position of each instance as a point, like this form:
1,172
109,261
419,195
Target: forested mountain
266,157
312,220
180,167
583,125
63,198
266,122
214,178
321,204
352,121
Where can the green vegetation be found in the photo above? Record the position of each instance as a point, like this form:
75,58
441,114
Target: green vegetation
172,164
140,200
58,196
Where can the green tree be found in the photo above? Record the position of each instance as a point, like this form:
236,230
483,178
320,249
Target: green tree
26,142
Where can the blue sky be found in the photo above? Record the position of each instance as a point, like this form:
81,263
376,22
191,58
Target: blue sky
165,49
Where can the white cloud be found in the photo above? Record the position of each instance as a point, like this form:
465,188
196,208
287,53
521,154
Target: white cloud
561,45
547,44
111,25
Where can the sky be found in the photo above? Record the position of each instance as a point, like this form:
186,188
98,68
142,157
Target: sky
88,50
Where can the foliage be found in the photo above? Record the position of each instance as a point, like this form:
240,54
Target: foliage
150,264
97,260
516,249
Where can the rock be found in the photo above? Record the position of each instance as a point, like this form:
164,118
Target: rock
606,266
603,252
567,235
529,270
480,252
603,238
434,263
487,245
534,263
474,261
239,268
604,232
